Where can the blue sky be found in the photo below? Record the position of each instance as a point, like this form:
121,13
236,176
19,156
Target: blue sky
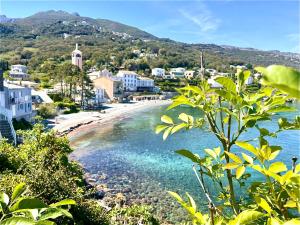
267,25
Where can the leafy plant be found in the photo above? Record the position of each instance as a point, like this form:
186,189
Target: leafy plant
17,209
230,112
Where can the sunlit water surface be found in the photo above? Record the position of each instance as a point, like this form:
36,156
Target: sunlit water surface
138,163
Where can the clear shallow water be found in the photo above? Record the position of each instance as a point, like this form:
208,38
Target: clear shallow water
138,163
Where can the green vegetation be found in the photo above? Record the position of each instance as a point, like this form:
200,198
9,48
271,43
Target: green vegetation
47,111
41,162
28,210
230,112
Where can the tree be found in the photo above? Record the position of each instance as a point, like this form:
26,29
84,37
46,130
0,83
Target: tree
229,112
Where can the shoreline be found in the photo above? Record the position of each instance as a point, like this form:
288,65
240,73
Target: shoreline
69,124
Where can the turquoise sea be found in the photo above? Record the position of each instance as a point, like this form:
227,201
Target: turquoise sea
130,158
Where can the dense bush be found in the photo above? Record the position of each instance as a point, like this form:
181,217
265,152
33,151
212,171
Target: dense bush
47,111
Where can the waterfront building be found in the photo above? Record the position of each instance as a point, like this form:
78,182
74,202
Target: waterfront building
145,84
19,72
15,103
177,72
133,82
108,89
129,79
158,72
189,74
77,57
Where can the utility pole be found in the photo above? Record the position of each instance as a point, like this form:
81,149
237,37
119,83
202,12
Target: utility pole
202,69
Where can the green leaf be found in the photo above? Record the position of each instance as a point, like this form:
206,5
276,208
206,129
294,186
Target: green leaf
232,165
191,201
247,217
273,221
263,204
211,153
240,171
227,83
277,167
282,108
17,220
234,157
217,150
186,153
4,198
160,128
292,222
186,118
28,203
176,196
45,222
247,158
284,78
247,146
63,202
178,127
167,132
18,191
52,213
167,119
291,204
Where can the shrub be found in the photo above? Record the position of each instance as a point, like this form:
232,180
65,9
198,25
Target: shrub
42,162
47,111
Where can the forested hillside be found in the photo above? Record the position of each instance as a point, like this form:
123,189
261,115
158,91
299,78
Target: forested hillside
51,36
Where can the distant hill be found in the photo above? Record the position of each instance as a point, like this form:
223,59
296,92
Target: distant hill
64,22
46,32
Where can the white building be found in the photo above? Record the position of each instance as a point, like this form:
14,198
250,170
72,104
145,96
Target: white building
19,72
189,74
145,84
15,103
158,72
177,72
133,82
77,57
129,79
17,100
241,67
99,95
212,72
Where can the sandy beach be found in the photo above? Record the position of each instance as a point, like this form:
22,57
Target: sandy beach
64,124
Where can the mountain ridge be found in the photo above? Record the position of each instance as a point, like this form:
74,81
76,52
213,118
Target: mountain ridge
59,26
51,16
